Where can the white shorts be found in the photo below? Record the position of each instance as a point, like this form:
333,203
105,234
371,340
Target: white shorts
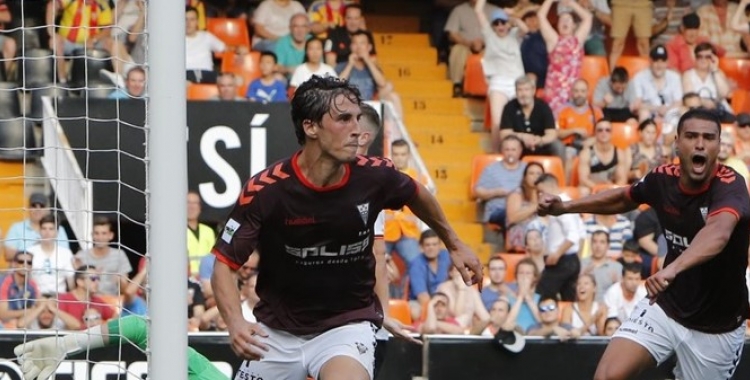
291,357
700,355
502,85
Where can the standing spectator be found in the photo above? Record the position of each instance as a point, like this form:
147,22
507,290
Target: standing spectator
290,49
563,240
439,319
527,276
667,19
716,21
586,315
112,263
740,23
465,35
658,90
46,315
200,237
135,85
615,96
18,292
707,79
502,61
26,233
602,19
338,45
500,179
565,48
427,271
639,15
312,65
534,49
681,48
271,22
602,162
549,324
622,297
268,88
605,270
464,301
84,296
326,15
497,268
521,208
52,266
576,120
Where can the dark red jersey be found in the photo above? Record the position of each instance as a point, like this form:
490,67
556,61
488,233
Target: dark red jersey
711,297
316,269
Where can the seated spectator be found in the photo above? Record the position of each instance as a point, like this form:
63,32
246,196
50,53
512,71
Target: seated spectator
535,247
438,319
533,49
271,22
502,317
268,88
52,265
326,15
500,179
527,276
611,325
531,119
338,45
630,253
26,233
313,64
586,315
92,317
715,24
427,271
658,90
135,85
196,304
617,227
576,120
200,46
565,47
615,97
549,324
605,270
290,49
742,146
707,79
464,301
497,288
227,85
46,315
646,154
84,296
622,297
133,302
18,292
112,263
727,157
681,48
602,163
521,208
652,245
465,35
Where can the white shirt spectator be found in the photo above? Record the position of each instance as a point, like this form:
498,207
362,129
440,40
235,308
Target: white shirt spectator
464,21
645,88
275,18
565,227
302,73
247,313
620,307
51,270
199,51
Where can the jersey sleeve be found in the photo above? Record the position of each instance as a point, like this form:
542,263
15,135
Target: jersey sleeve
239,237
644,191
729,194
399,188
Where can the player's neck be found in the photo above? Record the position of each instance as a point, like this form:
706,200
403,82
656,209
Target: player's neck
319,169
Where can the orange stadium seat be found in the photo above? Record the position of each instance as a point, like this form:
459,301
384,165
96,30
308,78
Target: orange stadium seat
552,165
246,67
741,101
623,134
573,191
399,309
574,172
477,166
511,261
474,82
202,91
593,68
738,69
633,64
233,31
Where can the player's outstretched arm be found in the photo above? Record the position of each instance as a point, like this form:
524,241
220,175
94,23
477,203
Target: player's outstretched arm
612,201
426,207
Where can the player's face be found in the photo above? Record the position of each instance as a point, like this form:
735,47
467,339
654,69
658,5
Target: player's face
102,236
630,281
497,270
599,246
193,206
48,231
698,147
585,288
511,151
338,132
400,156
431,247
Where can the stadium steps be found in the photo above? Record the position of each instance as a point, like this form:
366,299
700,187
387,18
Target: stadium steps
438,125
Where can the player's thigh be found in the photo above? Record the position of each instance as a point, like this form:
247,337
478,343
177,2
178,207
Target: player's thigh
709,356
623,358
350,347
284,359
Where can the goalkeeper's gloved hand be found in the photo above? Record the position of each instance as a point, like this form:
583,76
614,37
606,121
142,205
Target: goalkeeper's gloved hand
39,358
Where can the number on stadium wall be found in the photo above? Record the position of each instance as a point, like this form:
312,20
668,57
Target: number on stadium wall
419,105
404,72
441,173
386,39
436,139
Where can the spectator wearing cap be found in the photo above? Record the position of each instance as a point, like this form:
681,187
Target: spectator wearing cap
658,90
25,234
742,145
18,292
680,49
728,158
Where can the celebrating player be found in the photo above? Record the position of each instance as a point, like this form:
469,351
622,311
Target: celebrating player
698,303
311,219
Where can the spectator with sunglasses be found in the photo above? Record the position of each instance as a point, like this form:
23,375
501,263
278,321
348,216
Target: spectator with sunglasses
550,325
18,292
707,79
84,297
25,234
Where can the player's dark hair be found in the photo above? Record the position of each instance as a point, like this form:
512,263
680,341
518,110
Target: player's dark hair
634,267
307,45
546,177
601,232
619,75
269,54
400,143
49,218
426,234
81,271
315,98
699,114
371,118
530,262
103,221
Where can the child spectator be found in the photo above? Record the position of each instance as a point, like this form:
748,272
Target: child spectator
267,88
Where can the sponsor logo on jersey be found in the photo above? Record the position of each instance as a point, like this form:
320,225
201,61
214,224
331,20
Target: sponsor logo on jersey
364,211
231,227
300,221
677,240
328,251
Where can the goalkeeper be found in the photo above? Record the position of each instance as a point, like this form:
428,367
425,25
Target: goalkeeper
39,358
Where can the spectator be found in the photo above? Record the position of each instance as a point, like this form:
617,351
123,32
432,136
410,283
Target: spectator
465,35
615,97
465,302
112,263
26,233
622,297
438,319
740,24
497,288
312,65
586,315
84,296
45,315
535,249
227,85
534,49
602,19
200,10
576,120
249,296
742,146
521,208
611,325
92,317
602,162
200,46
563,241
527,276
268,88
715,24
8,45
658,90
502,61
200,237
502,317
707,79
646,154
652,246
327,15
531,119
565,48
361,68
133,302
427,271
727,157
290,49
500,179
338,46
271,22
18,292
196,304
637,14
549,324
135,85
605,270
618,228
667,19
52,266
130,20
681,48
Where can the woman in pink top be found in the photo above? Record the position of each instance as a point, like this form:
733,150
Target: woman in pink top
565,48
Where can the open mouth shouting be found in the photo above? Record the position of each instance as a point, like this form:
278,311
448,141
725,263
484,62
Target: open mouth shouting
699,163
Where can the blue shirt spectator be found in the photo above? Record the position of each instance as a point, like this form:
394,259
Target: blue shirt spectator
422,279
266,93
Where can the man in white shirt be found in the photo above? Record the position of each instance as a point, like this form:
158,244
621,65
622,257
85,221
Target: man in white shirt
658,90
564,236
622,297
199,48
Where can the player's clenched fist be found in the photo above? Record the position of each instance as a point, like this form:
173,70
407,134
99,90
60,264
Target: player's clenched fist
549,204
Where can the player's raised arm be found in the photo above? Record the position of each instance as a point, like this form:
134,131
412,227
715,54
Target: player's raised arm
426,208
611,201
